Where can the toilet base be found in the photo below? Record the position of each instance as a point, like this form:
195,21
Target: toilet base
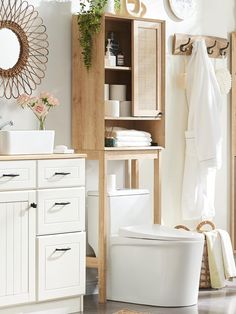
151,272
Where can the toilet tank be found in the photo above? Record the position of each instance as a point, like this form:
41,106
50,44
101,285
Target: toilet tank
124,208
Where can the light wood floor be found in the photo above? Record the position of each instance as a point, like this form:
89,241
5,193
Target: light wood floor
221,301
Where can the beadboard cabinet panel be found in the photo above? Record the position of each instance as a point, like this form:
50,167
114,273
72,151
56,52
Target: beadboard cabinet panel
17,246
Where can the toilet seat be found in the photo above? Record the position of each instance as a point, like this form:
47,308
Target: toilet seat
159,232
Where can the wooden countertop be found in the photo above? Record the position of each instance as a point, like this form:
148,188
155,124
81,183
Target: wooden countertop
41,157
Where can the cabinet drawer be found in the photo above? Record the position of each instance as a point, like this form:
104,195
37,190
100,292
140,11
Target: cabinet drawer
17,175
61,210
61,265
61,173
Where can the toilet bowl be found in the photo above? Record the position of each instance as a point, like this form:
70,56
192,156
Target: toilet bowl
146,264
154,265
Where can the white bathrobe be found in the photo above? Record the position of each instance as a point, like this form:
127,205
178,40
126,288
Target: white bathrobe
203,136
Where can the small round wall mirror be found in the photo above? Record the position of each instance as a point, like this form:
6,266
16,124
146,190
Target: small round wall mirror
24,48
9,42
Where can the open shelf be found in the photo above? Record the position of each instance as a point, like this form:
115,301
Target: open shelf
133,118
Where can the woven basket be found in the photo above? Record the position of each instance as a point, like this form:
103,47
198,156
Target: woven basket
205,280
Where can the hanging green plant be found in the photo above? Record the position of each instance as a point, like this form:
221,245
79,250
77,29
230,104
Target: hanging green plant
89,22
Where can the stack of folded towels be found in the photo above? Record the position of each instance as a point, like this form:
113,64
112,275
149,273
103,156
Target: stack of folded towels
130,138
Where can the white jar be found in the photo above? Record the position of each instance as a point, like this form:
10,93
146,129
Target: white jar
110,7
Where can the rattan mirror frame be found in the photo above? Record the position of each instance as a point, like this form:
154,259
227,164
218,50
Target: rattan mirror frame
22,19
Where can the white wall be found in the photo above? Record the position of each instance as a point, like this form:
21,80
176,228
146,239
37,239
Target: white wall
57,19
212,18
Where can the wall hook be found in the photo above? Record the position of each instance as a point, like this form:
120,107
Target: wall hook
223,50
210,50
183,47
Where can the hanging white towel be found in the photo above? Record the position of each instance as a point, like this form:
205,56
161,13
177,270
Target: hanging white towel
215,259
203,136
228,256
220,257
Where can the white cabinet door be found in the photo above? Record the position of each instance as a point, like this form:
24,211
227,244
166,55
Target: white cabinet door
61,265
61,210
17,247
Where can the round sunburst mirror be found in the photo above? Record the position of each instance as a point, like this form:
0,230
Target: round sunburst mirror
24,48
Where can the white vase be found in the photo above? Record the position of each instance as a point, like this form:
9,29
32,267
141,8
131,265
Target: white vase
110,7
134,8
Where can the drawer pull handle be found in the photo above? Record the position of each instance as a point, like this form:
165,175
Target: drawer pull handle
62,204
63,250
33,205
61,173
10,175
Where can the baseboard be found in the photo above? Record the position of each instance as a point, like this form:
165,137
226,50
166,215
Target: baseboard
64,306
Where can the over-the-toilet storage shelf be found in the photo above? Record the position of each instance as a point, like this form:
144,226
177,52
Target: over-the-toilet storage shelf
143,43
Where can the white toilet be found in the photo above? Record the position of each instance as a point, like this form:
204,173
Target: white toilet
146,263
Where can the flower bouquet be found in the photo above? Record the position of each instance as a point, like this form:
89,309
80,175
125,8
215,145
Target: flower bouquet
40,105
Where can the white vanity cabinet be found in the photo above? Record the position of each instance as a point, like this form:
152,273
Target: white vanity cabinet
42,233
17,247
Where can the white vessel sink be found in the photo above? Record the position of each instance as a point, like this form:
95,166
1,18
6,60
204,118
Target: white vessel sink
26,142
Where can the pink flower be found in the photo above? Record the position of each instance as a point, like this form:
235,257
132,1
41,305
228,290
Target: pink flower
53,101
44,95
23,100
39,105
40,109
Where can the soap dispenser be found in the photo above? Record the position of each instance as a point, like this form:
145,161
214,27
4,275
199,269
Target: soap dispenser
110,58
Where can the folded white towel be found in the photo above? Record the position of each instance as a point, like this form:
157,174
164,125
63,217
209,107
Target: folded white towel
116,131
215,259
228,256
132,144
133,138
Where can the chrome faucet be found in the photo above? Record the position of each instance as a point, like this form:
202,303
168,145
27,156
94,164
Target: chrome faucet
10,122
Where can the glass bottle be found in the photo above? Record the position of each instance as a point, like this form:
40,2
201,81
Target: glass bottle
120,59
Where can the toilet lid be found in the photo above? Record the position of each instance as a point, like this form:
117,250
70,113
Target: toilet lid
159,232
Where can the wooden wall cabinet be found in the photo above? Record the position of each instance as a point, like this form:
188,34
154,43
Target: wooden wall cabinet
142,42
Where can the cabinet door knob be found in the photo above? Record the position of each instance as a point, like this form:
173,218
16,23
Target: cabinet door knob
62,204
63,250
33,205
61,173
10,175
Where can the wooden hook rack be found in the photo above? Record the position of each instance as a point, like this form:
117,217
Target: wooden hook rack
217,47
